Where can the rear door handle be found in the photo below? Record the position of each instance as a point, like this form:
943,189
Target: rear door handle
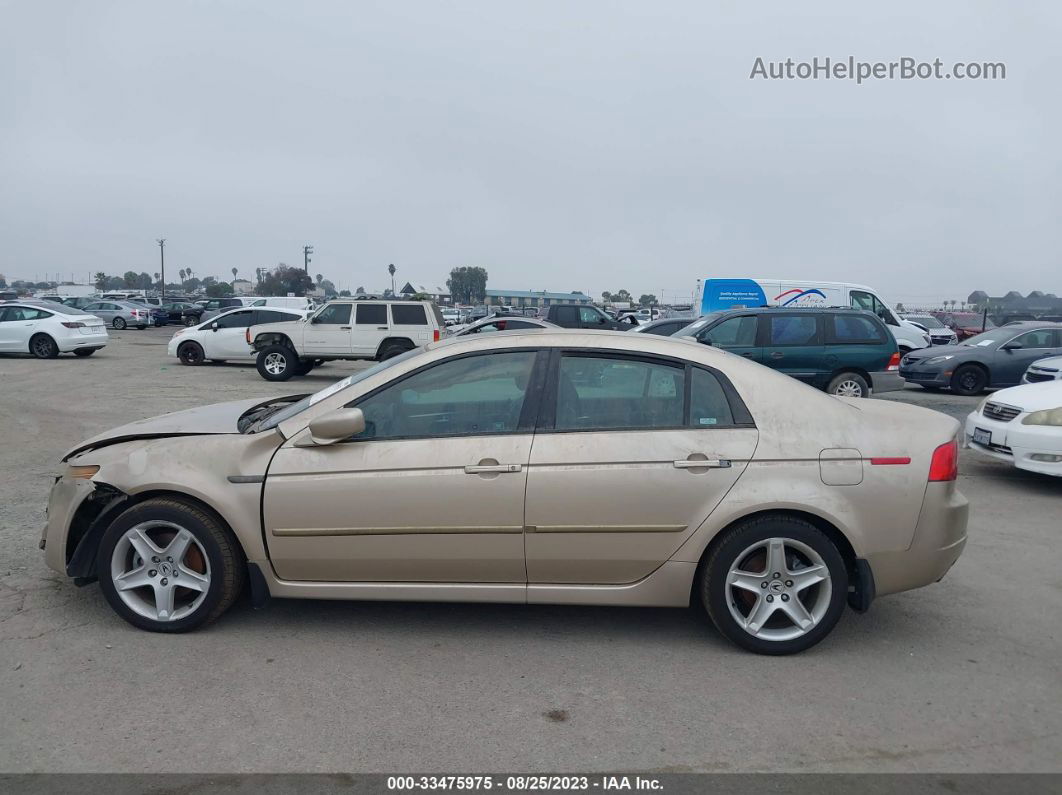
482,469
381,328
702,463
777,355
344,328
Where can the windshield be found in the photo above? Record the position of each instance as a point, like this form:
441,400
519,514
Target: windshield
696,325
273,419
926,320
991,338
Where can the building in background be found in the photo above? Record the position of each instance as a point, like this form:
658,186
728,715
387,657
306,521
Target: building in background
439,295
533,298
1035,303
242,287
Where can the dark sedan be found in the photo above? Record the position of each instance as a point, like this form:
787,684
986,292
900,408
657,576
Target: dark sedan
994,359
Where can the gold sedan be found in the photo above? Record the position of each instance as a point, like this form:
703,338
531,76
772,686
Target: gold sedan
537,467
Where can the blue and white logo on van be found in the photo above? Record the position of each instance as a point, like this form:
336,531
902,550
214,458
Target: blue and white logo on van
730,294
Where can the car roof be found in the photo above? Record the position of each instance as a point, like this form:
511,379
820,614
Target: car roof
766,310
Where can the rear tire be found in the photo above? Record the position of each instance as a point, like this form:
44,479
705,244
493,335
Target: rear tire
43,347
777,592
277,363
83,352
212,560
391,350
119,323
969,380
191,354
849,385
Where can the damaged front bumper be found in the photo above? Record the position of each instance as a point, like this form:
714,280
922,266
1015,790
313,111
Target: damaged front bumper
77,510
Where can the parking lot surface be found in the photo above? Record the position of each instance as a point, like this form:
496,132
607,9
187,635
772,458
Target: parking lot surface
962,676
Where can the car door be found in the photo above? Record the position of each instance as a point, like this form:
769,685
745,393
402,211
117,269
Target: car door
329,331
1011,359
11,321
227,335
371,326
431,491
792,344
631,455
101,309
735,334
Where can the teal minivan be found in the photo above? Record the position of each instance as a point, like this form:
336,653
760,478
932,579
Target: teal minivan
847,352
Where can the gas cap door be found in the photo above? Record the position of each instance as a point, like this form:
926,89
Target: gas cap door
841,466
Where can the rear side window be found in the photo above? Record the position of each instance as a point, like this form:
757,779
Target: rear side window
272,316
372,315
853,330
792,330
566,315
708,403
408,315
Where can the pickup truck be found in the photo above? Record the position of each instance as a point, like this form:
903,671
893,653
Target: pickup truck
584,316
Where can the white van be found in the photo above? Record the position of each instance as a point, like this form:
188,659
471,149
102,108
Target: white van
714,294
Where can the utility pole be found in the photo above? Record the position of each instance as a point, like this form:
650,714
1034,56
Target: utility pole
306,252
162,262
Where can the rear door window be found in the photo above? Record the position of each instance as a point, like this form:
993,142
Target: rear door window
617,393
709,406
792,330
408,315
567,316
372,315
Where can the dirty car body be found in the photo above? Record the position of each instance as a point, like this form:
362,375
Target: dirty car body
546,467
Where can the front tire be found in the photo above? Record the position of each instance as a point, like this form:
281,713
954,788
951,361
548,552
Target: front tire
969,380
119,323
167,565
43,347
277,363
849,385
774,585
191,354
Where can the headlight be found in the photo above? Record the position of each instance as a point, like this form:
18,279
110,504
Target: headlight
939,359
1045,417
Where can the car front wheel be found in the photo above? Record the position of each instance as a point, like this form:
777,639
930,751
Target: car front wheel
167,565
191,354
277,363
775,585
969,380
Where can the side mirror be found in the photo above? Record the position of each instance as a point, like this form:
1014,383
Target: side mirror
335,426
214,326
1013,346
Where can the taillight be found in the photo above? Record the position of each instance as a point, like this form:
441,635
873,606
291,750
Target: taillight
74,324
945,463
436,336
247,335
894,362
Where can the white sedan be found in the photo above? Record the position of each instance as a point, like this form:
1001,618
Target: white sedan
223,337
46,329
1049,369
1022,426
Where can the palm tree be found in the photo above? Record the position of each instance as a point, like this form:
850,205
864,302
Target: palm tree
181,274
391,269
234,271
101,280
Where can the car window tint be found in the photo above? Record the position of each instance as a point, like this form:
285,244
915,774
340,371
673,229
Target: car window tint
734,332
792,330
566,314
589,315
235,320
272,316
6,314
708,403
474,395
372,314
408,315
334,315
1041,338
617,393
855,329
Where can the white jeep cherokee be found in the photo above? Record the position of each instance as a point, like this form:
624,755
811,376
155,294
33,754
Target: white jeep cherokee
344,329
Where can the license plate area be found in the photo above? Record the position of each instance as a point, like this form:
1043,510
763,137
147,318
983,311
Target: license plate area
981,436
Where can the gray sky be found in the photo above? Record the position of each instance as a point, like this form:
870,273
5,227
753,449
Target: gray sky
561,145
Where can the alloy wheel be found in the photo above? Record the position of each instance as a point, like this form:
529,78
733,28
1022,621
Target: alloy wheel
848,388
778,589
275,363
160,571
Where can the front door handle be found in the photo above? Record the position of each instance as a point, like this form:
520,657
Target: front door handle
484,469
344,328
702,463
777,355
381,328
748,355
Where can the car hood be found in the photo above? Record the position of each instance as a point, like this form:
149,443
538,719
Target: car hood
1031,397
959,351
214,419
1049,362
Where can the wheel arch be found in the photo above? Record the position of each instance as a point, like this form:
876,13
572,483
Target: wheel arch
406,342
38,335
863,373
267,338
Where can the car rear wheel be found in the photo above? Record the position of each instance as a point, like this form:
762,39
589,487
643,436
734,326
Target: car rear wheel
775,585
43,347
277,363
191,354
392,349
849,385
118,323
85,351
169,566
969,380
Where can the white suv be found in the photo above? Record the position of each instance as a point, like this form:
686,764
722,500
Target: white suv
344,329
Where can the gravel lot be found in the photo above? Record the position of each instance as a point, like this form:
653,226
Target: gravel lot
965,675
